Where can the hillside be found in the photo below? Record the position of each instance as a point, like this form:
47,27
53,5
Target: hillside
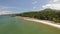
46,14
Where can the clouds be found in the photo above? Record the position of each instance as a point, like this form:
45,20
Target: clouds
34,2
6,10
53,4
7,7
3,11
14,6
55,0
51,1
34,7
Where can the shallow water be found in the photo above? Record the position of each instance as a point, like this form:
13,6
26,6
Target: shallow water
14,25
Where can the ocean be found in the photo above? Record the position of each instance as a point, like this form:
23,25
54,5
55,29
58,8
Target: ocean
15,25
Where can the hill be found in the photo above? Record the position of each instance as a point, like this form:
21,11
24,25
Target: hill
46,14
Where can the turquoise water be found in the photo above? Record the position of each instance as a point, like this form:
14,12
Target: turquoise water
14,25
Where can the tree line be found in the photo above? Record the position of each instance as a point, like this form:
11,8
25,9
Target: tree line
46,14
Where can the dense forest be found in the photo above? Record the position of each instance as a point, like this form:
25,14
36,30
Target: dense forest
46,14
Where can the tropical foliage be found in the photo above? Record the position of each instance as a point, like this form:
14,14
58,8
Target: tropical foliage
46,14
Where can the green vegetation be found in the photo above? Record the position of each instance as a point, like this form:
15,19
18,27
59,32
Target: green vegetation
46,14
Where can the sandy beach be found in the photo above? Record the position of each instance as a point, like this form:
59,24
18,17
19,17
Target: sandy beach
41,21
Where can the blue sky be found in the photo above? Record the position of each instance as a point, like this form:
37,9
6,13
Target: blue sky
15,6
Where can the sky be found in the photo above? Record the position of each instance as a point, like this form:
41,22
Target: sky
18,6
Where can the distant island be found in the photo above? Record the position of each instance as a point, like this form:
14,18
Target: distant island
46,14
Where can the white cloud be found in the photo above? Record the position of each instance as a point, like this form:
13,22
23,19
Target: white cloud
34,2
53,4
4,7
55,0
5,12
34,7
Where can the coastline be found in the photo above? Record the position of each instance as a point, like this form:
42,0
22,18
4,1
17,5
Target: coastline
41,21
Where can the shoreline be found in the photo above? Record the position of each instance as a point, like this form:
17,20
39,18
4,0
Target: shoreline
41,21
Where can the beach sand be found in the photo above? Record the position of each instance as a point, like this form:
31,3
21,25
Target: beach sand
41,21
